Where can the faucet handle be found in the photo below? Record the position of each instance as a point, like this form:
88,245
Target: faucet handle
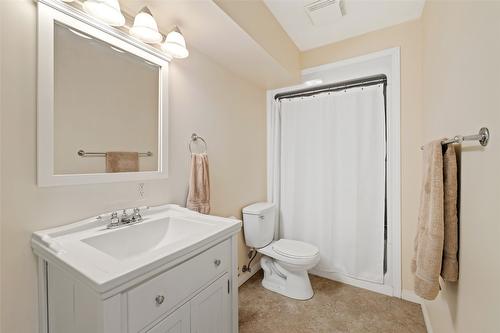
114,220
136,216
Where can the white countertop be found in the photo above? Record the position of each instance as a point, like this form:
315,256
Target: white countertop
106,258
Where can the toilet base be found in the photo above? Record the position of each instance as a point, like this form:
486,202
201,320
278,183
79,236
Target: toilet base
293,284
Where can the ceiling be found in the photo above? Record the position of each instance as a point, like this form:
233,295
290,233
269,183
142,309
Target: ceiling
209,30
361,16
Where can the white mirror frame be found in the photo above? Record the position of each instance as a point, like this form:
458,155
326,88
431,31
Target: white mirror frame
49,12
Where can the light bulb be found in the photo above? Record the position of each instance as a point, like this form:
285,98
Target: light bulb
175,44
145,27
107,11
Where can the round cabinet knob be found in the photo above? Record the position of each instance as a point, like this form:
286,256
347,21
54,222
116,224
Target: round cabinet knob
159,299
217,262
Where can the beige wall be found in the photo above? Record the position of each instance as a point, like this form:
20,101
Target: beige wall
408,37
449,85
204,98
461,68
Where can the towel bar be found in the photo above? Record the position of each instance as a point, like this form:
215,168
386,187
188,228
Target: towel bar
83,153
483,137
194,138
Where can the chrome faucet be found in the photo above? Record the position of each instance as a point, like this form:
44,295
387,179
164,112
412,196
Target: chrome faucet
124,219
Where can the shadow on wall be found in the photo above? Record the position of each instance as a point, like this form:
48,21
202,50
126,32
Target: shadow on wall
451,296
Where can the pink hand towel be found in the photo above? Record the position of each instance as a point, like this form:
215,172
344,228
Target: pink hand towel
199,184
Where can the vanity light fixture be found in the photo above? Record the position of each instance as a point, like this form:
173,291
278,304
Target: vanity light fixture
145,27
175,44
107,11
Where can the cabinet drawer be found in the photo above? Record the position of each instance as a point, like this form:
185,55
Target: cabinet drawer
161,294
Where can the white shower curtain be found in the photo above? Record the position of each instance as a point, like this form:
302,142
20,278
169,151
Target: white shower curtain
328,177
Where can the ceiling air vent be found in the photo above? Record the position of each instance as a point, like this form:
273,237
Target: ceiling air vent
322,12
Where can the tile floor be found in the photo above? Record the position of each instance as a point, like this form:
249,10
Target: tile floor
335,307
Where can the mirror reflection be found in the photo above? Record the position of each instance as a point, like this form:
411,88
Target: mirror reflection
106,107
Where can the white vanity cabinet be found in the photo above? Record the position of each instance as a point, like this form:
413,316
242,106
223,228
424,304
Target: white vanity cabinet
210,309
193,296
149,300
207,312
177,322
184,281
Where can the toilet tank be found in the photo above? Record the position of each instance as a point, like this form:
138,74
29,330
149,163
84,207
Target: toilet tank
258,224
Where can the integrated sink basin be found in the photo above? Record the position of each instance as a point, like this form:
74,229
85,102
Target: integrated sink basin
144,237
108,258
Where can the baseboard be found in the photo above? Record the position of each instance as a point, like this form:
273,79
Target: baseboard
410,296
378,288
244,277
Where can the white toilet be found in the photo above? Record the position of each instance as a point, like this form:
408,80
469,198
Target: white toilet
285,262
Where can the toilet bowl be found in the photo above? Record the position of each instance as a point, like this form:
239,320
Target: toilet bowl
285,262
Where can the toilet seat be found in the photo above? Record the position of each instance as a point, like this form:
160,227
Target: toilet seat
289,253
294,249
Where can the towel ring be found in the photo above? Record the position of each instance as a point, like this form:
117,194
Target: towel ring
195,137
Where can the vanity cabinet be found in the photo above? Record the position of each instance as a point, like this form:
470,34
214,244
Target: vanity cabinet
175,271
177,322
159,295
210,309
207,312
195,295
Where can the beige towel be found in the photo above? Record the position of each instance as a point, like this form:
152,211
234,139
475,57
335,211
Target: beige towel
199,184
437,202
449,268
119,161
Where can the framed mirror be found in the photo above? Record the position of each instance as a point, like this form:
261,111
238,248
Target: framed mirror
102,102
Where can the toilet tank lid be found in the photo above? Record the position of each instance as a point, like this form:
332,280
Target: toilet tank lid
258,208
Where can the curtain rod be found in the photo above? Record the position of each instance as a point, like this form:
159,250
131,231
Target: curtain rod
361,82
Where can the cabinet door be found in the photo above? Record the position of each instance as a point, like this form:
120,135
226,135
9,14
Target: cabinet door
176,322
210,309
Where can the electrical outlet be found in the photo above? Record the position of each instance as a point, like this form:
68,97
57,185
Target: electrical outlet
141,190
